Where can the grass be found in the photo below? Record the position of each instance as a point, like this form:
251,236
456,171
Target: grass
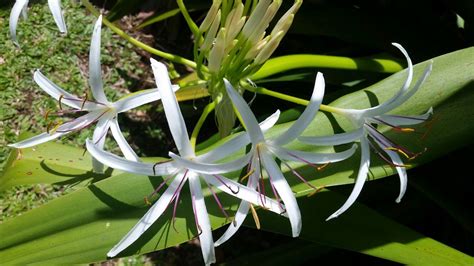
63,59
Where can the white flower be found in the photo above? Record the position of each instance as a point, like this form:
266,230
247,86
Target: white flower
98,109
20,8
265,150
177,173
371,138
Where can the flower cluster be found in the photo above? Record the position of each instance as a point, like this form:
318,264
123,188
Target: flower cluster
243,41
234,44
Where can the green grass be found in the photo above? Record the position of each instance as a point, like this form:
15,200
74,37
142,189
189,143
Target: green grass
63,59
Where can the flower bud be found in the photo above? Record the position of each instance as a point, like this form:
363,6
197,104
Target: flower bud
269,48
211,15
211,34
217,52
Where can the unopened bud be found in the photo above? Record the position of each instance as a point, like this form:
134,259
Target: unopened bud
235,22
262,25
269,48
285,21
255,17
211,15
211,34
217,52
255,50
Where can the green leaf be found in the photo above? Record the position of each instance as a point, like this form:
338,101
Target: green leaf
363,230
82,226
50,163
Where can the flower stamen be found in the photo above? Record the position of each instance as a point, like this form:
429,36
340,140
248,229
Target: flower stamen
219,178
255,217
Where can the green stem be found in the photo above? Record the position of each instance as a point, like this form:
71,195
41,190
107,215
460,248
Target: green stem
289,62
121,33
289,98
192,26
205,113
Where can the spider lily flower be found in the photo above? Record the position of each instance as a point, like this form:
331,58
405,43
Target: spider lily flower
177,173
370,137
264,151
20,8
98,109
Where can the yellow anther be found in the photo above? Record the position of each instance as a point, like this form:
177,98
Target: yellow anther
316,191
399,151
59,100
147,202
84,102
319,168
46,115
407,129
55,127
255,217
247,175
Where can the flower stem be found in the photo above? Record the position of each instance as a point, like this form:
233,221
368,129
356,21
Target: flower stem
289,98
289,62
205,113
192,26
137,43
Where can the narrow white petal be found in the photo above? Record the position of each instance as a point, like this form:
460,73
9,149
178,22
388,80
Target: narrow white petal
400,120
122,142
80,122
243,192
148,219
24,11
95,72
403,98
55,7
402,173
211,168
239,219
335,139
14,17
98,137
205,236
284,190
238,142
38,139
251,124
120,163
173,113
244,206
66,98
231,146
60,131
387,105
270,121
360,180
308,114
312,157
137,99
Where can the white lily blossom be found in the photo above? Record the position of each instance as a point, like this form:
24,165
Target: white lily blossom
371,138
264,151
20,8
177,173
98,109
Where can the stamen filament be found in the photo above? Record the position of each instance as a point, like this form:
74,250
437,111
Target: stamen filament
225,184
216,198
